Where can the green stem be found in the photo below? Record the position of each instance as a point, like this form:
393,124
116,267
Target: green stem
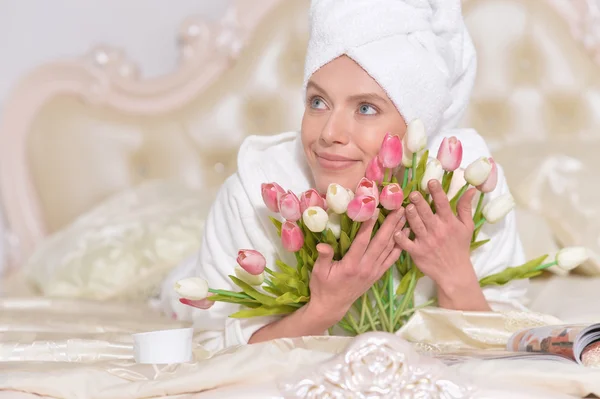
409,292
412,310
414,172
391,292
384,319
387,175
369,314
231,294
477,215
480,223
352,322
405,178
546,265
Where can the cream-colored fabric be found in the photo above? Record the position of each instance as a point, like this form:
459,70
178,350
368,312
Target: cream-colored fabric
124,247
80,349
557,180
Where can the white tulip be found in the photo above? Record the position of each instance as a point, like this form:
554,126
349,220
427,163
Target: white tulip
433,171
416,137
194,288
249,278
498,208
351,194
571,257
458,181
478,171
335,224
337,198
315,219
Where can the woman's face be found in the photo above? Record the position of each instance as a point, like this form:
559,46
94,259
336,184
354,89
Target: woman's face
346,117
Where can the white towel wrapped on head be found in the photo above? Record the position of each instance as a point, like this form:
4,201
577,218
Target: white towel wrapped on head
419,51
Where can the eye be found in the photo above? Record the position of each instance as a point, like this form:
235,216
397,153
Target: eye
317,103
367,109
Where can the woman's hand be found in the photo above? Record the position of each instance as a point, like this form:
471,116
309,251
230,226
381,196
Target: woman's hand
441,247
335,285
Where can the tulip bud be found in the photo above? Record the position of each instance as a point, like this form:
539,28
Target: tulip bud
289,206
375,171
416,138
315,219
252,279
194,288
361,208
200,304
498,208
458,181
433,171
391,197
571,257
478,171
251,261
335,224
270,195
311,198
337,198
390,153
490,183
291,237
367,187
450,153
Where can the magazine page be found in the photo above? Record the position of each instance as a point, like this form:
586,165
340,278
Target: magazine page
450,358
587,346
558,340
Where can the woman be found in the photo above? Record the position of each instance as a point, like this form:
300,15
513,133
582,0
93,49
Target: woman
372,66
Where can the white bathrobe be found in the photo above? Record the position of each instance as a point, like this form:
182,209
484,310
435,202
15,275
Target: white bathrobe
239,220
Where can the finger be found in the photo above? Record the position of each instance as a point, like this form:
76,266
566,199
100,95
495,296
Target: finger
391,258
424,209
464,207
403,241
322,265
382,255
362,239
415,222
442,205
384,235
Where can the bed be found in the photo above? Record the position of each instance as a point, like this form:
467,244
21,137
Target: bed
106,179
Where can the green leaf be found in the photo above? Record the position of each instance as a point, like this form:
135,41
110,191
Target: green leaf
277,225
264,311
285,269
446,180
526,270
477,244
245,302
304,274
290,297
330,238
344,243
248,289
310,241
273,290
403,286
345,223
286,282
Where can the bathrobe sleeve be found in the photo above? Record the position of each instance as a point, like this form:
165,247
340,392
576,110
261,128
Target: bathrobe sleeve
503,250
232,224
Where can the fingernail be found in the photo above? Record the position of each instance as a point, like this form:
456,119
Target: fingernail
414,197
410,208
397,234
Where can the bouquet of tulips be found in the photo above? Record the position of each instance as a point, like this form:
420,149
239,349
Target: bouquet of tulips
400,168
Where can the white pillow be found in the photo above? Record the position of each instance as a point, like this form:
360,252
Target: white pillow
123,248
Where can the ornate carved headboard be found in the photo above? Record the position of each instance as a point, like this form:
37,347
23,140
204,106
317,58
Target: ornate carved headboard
76,131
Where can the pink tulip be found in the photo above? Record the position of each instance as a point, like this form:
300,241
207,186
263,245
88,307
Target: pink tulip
251,261
291,237
198,303
289,206
375,171
270,194
367,187
391,197
390,153
450,153
490,183
361,208
311,198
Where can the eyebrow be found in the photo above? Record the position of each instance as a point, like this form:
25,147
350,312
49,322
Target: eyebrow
354,98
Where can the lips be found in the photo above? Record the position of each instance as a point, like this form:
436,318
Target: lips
334,162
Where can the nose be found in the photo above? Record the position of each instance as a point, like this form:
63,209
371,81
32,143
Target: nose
336,130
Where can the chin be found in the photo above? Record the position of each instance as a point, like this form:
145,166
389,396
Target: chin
345,180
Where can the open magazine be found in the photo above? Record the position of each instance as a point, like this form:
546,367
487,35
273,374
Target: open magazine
563,343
